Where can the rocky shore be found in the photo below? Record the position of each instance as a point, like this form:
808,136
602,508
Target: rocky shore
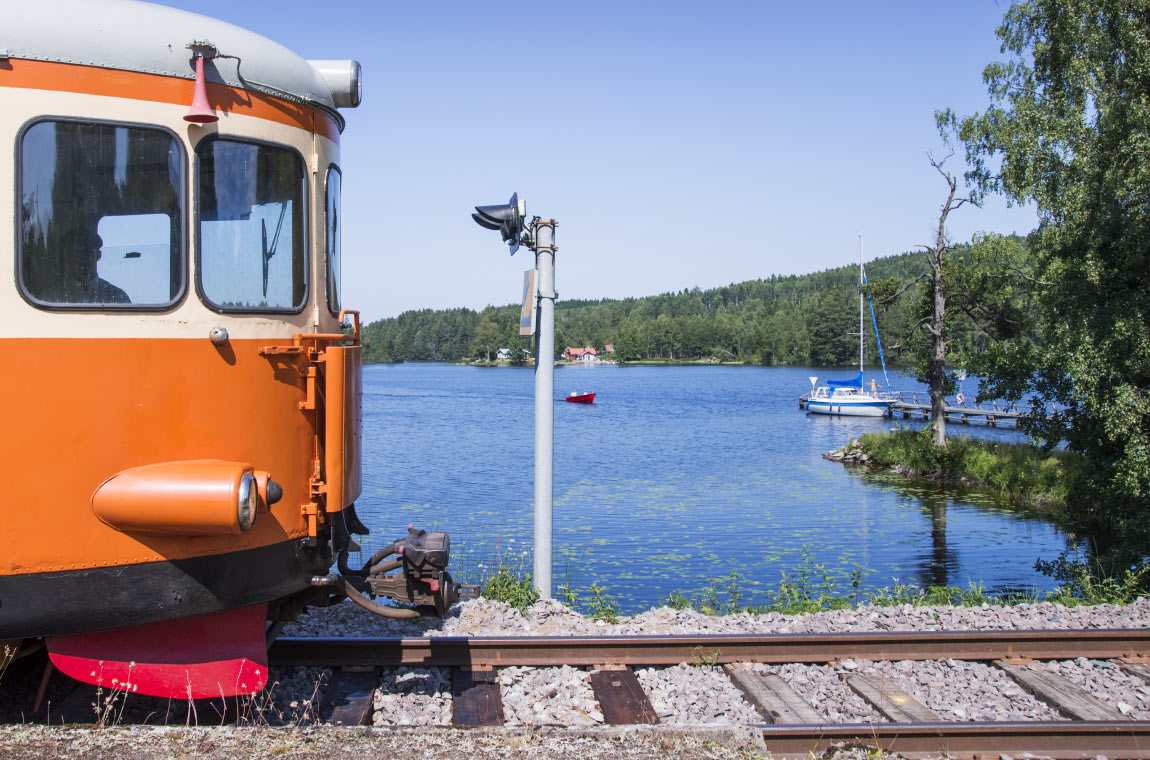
852,453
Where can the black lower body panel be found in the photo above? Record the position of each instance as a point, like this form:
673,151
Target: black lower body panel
44,604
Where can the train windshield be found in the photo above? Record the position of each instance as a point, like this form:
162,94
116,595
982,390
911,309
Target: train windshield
333,233
101,216
251,207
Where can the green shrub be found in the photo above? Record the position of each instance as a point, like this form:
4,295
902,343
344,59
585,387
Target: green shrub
602,606
1095,581
811,588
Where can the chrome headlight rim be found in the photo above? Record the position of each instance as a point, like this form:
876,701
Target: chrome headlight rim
247,501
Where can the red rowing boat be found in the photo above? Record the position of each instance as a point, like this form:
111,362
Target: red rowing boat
581,398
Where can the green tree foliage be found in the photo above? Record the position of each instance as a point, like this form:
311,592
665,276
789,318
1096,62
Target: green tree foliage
449,335
803,320
487,337
1069,130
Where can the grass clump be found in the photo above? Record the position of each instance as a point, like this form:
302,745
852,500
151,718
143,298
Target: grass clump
506,579
974,595
8,655
602,606
803,594
1020,472
811,587
515,588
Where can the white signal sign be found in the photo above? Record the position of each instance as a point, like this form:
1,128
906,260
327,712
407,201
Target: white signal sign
530,306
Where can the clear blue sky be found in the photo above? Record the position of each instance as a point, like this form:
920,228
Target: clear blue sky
678,144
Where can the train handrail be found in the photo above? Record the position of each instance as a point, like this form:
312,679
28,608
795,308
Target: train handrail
297,348
354,314
332,337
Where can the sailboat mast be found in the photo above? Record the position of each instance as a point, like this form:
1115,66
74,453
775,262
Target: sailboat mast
861,334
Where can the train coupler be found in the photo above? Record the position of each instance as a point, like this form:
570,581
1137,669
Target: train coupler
422,580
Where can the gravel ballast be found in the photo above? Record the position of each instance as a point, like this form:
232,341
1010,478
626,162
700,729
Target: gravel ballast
694,695
697,694
483,617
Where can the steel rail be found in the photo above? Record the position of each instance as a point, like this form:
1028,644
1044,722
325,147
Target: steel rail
1056,739
456,651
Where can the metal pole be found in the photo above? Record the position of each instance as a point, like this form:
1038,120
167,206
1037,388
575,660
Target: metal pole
544,403
862,333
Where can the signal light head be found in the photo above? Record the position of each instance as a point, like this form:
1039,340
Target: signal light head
507,218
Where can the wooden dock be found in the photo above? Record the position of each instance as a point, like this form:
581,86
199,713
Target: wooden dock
916,405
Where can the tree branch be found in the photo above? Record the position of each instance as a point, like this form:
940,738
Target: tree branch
902,290
974,304
1021,274
958,203
977,324
925,321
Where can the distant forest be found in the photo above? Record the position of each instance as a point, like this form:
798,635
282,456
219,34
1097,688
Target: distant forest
807,319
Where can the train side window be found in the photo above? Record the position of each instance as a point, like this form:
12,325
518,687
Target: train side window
333,215
101,216
251,254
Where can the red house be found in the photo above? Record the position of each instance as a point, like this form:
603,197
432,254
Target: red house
577,354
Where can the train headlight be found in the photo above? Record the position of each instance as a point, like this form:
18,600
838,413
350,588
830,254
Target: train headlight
248,501
203,497
344,79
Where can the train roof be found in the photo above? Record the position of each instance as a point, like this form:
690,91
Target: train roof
154,39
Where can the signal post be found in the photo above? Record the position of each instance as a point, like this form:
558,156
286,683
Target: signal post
544,402
539,236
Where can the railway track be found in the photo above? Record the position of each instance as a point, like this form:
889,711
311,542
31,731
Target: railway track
790,725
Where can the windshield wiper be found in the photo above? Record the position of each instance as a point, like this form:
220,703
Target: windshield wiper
269,252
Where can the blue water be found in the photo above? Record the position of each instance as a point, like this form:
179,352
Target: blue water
674,477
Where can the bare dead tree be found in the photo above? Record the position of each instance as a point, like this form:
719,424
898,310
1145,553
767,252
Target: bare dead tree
936,256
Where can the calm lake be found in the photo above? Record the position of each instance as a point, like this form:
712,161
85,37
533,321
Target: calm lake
674,477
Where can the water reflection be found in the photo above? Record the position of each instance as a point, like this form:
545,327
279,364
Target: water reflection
937,569
943,565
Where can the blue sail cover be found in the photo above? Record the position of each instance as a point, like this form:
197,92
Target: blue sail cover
854,382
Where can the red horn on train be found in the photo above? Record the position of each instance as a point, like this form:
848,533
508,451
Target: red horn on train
201,111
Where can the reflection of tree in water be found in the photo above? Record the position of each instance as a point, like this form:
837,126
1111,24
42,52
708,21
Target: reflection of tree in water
938,564
937,567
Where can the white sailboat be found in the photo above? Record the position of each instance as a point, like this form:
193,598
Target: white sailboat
849,398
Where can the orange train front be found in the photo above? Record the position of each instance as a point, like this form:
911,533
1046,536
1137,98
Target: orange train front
184,424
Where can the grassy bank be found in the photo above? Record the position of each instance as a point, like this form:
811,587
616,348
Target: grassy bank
1019,472
812,587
